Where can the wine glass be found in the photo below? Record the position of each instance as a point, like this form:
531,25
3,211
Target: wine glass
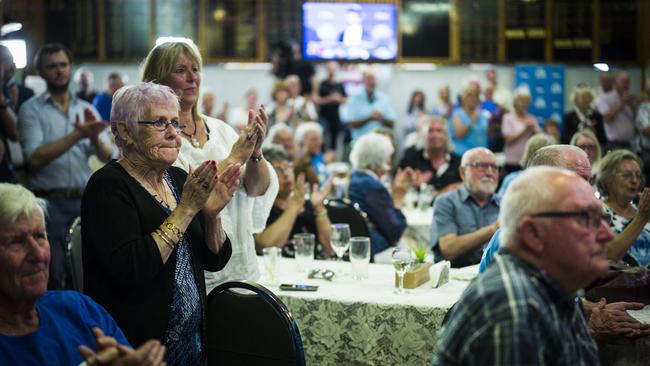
340,239
402,259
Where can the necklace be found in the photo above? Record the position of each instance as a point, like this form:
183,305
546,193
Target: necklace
195,142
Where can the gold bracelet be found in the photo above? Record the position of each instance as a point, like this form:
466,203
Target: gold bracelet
163,236
169,225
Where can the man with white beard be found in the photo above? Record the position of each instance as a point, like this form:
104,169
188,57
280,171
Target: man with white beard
465,219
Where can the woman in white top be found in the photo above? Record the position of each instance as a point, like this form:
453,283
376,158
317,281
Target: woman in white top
178,64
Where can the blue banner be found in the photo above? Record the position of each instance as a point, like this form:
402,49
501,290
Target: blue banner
546,84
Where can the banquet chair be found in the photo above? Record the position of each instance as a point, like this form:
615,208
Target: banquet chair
344,211
248,325
73,259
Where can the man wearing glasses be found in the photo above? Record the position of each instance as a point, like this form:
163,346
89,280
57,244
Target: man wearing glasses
523,309
58,133
465,219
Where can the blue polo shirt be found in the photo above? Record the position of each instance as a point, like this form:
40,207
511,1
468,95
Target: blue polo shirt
359,106
456,212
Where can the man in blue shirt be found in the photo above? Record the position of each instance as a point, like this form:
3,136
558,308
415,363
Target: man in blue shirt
561,156
41,327
104,100
368,110
58,133
465,219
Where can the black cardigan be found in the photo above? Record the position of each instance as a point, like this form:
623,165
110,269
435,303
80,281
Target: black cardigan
123,270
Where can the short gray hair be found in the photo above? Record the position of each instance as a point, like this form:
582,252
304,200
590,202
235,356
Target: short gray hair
469,154
273,130
16,202
535,143
530,192
304,128
555,155
609,168
132,103
370,151
275,153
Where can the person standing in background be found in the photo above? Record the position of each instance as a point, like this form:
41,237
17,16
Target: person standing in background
104,100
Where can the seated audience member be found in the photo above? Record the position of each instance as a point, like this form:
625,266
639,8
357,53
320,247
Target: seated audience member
309,137
104,100
517,128
148,271
465,219
469,122
552,128
281,134
238,116
523,310
561,156
533,144
280,110
583,116
434,159
587,141
370,159
291,213
620,181
41,327
369,109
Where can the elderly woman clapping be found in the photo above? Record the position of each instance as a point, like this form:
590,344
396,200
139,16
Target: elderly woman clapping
149,229
620,181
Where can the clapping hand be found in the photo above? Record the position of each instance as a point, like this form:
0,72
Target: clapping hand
198,186
421,177
644,205
403,179
90,128
251,137
297,198
109,352
318,195
227,183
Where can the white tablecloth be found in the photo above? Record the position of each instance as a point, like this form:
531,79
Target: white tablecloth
350,322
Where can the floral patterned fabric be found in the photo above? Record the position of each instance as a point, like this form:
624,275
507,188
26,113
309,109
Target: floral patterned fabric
359,333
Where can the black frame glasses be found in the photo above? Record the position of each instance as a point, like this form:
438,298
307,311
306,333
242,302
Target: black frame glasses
588,218
161,124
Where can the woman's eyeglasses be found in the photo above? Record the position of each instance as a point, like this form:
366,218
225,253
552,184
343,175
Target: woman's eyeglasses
161,124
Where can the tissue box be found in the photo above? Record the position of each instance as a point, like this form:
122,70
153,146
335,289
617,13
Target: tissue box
415,277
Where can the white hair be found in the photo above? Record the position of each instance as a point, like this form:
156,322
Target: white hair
530,192
370,151
273,130
521,92
16,202
304,128
469,155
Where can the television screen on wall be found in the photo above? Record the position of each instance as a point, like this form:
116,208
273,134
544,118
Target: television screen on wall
349,31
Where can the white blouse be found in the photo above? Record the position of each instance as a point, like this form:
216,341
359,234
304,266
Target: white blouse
243,215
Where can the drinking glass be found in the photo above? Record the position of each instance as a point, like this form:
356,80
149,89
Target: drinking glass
271,259
340,239
360,256
304,249
402,259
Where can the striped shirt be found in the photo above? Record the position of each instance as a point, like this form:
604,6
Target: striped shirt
515,314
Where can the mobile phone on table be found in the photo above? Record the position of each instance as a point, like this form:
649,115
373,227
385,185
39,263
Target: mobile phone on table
297,287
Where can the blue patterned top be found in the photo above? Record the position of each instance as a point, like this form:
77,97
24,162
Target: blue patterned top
183,334
639,253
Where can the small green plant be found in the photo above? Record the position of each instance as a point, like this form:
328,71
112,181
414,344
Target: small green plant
420,253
